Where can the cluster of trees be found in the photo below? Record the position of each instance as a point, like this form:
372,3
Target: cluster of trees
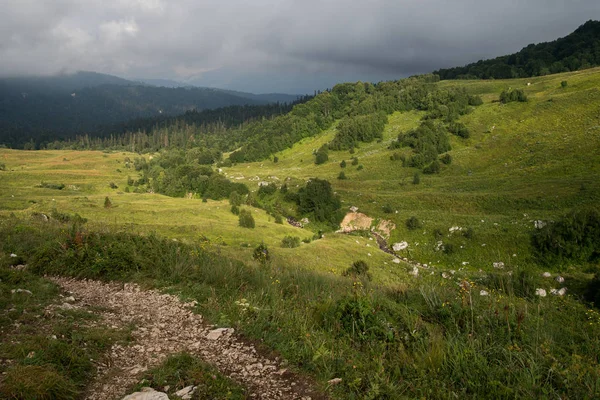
176,173
579,50
430,138
511,95
359,128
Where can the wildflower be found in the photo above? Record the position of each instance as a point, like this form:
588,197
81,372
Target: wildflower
560,279
483,293
540,292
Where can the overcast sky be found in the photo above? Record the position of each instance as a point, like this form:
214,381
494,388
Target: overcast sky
293,46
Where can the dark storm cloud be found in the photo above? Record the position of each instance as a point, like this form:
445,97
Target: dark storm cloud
279,44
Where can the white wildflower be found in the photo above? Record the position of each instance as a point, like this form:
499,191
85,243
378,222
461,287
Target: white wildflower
400,246
540,292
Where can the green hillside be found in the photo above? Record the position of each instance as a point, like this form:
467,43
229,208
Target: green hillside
465,183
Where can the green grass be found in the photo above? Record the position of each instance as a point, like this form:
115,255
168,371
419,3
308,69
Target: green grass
396,336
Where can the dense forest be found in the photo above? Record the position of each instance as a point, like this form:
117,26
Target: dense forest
578,50
44,109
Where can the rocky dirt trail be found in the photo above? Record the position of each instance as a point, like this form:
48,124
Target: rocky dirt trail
164,325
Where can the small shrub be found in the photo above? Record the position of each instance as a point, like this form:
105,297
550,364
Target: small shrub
261,254
113,185
359,168
469,233
204,199
354,160
433,168
127,190
290,242
592,292
2,167
246,220
275,159
67,218
510,95
343,164
322,155
342,175
387,209
278,219
413,223
358,269
235,210
306,240
57,186
564,84
446,159
438,234
396,157
416,178
449,248
107,202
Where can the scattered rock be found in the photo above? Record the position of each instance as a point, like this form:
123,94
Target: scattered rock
540,292
414,272
20,291
334,381
539,224
547,275
147,394
396,261
66,306
354,209
13,255
400,246
70,299
483,293
186,392
559,279
217,333
19,267
498,265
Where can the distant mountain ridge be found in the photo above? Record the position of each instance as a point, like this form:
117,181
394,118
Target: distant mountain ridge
46,108
578,50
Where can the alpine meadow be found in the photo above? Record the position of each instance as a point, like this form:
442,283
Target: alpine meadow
431,237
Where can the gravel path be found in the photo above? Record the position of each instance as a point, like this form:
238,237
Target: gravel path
164,325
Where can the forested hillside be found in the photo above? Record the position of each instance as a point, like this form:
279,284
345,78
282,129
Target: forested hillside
44,109
579,50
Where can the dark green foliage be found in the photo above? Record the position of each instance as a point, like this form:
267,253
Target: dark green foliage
469,233
317,199
284,188
47,185
107,202
413,223
427,141
573,238
68,218
358,269
577,50
592,292
354,160
449,248
275,159
129,181
267,190
511,95
37,383
278,219
322,155
433,168
127,190
343,164
459,129
564,84
2,167
387,209
360,167
290,242
397,156
361,128
438,234
235,210
113,185
246,220
342,175
446,159
235,199
261,254
359,320
416,178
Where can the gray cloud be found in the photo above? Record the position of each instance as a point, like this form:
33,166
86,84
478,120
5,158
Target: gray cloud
268,45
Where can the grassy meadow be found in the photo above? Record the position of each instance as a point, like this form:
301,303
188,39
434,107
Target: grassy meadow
461,328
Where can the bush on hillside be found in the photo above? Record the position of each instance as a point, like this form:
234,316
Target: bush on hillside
575,238
246,220
511,95
261,254
413,223
322,155
290,242
317,198
358,269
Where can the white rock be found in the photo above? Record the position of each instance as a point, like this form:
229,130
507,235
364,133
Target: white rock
334,381
465,263
547,275
539,224
562,291
188,390
67,306
13,255
498,265
560,279
399,246
540,292
217,333
414,272
483,293
20,291
70,299
147,394
396,261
